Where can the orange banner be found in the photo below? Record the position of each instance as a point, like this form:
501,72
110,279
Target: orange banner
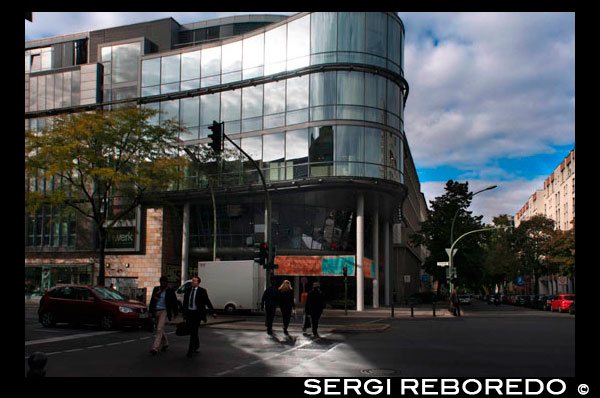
296,265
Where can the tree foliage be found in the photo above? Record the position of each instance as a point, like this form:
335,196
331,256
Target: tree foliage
98,158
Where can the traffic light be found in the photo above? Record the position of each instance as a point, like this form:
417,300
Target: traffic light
261,253
345,271
216,137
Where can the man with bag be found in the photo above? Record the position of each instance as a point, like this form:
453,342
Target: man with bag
195,302
163,305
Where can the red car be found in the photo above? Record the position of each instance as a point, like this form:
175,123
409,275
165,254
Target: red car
562,302
99,305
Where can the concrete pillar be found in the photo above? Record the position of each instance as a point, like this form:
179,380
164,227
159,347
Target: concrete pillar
386,261
185,247
375,241
360,250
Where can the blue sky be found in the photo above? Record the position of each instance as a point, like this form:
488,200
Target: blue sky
491,102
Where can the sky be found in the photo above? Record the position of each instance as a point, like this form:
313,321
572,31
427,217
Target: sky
491,100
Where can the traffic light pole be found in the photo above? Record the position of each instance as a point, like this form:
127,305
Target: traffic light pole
267,210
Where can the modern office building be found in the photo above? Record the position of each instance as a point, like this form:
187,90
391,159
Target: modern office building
317,100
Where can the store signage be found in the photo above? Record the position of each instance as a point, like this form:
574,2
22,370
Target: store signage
125,235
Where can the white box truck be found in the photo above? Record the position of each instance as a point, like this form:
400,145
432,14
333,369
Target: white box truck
231,285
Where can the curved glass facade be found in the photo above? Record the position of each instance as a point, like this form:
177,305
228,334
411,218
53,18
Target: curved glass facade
334,122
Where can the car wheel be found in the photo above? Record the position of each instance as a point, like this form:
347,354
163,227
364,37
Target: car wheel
107,322
230,309
48,319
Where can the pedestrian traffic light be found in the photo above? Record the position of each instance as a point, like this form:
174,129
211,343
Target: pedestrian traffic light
345,271
216,140
264,254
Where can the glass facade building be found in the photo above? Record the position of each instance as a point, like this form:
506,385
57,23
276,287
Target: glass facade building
317,99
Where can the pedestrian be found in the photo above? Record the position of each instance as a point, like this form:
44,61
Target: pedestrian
455,302
315,303
195,302
269,302
163,305
286,303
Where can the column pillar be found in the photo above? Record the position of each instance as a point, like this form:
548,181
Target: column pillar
376,258
386,261
360,246
185,247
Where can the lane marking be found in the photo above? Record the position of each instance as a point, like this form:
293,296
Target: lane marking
70,337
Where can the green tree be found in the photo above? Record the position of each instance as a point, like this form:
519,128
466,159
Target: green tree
501,262
103,164
435,235
560,251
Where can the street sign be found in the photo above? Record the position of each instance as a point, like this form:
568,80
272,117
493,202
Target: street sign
448,251
406,278
442,263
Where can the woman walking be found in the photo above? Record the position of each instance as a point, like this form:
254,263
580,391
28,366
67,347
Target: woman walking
286,303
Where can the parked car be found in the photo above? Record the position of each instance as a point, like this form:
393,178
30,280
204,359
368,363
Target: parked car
78,305
548,304
562,302
572,308
537,301
524,301
464,299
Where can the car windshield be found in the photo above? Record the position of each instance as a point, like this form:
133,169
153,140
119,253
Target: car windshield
569,297
109,294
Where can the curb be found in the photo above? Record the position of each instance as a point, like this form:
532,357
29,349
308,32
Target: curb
361,328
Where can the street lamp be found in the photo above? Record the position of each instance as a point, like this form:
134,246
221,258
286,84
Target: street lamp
452,242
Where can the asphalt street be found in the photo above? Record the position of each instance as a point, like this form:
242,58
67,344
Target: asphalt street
488,341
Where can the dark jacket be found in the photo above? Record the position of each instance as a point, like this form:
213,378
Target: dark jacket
315,302
202,302
286,300
170,302
270,297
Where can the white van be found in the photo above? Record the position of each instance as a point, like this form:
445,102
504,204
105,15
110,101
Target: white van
231,285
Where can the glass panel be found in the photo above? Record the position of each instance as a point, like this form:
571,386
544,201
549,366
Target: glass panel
169,110
350,88
323,36
190,85
393,144
375,93
58,90
253,147
170,69
169,88
231,102
297,93
231,77
252,102
151,72
254,51
253,124
190,111
322,89
393,96
67,88
351,31
75,85
394,40
298,45
374,152
275,50
209,108
210,81
273,156
272,121
296,153
106,53
322,113
211,61
321,151
376,33
296,117
349,147
190,65
47,58
125,62
232,57
33,93
49,91
274,97
148,91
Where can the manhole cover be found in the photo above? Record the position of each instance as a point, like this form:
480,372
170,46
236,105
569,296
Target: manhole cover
378,372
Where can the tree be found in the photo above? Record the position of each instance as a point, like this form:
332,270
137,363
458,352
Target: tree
103,164
560,250
501,262
435,235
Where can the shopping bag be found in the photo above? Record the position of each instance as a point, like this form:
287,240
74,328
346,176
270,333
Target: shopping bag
183,329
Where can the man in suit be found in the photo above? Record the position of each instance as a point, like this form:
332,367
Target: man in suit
315,303
195,302
163,305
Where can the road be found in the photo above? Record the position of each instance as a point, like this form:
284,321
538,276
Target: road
488,341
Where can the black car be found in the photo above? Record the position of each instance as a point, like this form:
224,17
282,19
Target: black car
539,301
548,303
572,308
523,301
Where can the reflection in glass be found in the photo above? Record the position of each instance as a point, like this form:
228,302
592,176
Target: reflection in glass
298,46
125,62
321,151
190,111
169,110
322,89
374,153
349,147
394,40
296,154
209,108
231,57
274,97
376,25
252,102
254,51
170,71
231,102
273,156
275,50
190,65
350,88
211,61
323,37
151,72
393,95
375,93
351,29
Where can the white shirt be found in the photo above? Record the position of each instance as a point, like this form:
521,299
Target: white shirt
192,305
